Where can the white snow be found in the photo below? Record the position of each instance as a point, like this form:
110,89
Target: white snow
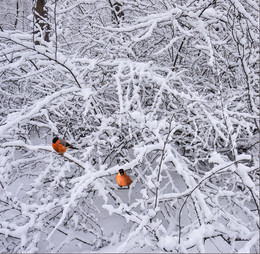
168,92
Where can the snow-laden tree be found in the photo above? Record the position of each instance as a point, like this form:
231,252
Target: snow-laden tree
168,91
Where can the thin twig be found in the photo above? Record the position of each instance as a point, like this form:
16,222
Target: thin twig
161,162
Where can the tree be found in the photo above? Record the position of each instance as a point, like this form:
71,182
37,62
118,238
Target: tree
169,94
14,14
41,25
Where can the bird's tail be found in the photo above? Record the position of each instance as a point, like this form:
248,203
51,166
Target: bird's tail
71,146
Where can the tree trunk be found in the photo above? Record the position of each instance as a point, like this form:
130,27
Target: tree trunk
17,14
41,24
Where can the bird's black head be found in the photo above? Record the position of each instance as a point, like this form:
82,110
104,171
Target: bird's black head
55,140
121,172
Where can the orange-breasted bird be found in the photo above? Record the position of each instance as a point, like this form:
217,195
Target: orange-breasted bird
60,145
123,179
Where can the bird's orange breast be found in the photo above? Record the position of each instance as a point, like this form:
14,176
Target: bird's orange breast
124,180
59,148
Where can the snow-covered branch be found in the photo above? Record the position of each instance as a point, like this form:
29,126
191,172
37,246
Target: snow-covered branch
166,90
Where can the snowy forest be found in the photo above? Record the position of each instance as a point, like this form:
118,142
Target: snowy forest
167,90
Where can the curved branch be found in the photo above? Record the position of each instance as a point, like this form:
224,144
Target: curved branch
43,148
42,52
197,186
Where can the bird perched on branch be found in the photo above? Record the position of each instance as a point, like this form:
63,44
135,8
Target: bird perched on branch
60,145
123,179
